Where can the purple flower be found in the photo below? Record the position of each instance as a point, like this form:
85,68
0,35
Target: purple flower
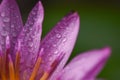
23,56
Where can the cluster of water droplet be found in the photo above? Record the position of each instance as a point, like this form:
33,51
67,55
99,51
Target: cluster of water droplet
30,40
58,39
11,24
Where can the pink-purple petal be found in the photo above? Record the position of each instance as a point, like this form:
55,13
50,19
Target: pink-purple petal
10,23
60,39
86,65
30,40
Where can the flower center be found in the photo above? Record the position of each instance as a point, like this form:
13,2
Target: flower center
9,69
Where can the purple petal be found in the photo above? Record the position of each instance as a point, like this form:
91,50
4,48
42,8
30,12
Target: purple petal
10,21
85,66
30,40
60,40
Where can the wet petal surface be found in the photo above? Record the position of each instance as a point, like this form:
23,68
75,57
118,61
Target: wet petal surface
10,23
60,39
30,40
86,65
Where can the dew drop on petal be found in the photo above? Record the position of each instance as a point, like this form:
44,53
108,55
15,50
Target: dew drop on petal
17,16
30,44
2,14
24,30
31,23
14,34
54,45
64,40
49,55
4,33
12,26
61,27
58,35
33,12
3,25
6,19
55,52
2,42
30,29
50,59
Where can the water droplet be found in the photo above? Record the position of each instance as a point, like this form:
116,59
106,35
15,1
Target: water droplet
30,29
14,34
35,18
70,26
6,19
2,14
12,7
32,36
64,40
33,12
2,42
30,23
55,52
30,44
4,33
26,25
61,27
56,31
24,30
58,35
3,25
49,55
50,58
17,16
54,45
12,26
35,47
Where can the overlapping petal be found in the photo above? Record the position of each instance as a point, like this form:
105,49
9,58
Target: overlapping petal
53,51
30,40
86,66
10,23
60,39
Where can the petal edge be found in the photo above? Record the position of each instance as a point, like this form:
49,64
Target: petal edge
85,66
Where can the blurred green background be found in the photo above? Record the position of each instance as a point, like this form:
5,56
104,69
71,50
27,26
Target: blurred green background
100,26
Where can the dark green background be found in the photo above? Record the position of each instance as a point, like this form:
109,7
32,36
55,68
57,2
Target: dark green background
100,25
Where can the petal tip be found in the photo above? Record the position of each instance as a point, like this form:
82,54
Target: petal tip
73,18
73,13
107,50
40,5
40,10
